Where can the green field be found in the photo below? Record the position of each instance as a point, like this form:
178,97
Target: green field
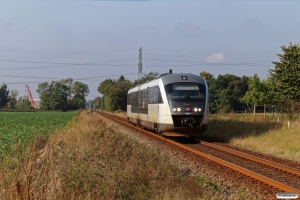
25,126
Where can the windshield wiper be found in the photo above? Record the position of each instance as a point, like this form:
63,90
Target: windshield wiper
188,96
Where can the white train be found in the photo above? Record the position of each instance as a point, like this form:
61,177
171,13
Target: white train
171,104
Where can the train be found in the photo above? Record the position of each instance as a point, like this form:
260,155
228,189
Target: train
172,104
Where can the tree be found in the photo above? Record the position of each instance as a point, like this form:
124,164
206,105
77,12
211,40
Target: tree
114,93
285,79
79,91
286,73
44,91
69,83
62,95
24,102
212,90
257,92
59,96
225,92
4,95
13,95
223,101
145,78
97,102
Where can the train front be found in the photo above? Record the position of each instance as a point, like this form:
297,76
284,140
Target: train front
187,97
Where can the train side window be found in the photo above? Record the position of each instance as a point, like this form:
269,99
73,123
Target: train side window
154,95
128,99
159,97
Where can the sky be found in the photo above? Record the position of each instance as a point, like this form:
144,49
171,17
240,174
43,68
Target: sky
90,41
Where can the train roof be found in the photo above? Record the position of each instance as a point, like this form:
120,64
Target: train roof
175,77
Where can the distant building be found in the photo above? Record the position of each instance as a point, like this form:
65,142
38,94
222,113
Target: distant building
37,103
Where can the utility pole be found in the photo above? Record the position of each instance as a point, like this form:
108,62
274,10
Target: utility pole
91,109
140,73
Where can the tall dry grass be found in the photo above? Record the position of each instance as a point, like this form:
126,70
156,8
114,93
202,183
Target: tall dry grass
87,160
257,133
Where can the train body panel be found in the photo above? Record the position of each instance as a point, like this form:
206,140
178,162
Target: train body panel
172,104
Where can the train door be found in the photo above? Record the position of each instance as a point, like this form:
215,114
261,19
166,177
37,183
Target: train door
138,106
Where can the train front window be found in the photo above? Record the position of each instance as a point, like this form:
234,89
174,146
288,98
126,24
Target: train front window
185,90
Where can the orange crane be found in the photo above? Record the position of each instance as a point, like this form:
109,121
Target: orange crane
30,96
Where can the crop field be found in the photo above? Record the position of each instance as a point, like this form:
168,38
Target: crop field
16,127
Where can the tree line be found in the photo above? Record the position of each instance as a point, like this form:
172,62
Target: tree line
9,99
65,94
229,93
62,95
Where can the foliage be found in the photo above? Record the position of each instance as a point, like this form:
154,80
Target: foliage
225,92
4,95
259,92
23,103
79,91
97,101
114,93
62,95
23,126
256,93
13,95
286,73
145,78
285,79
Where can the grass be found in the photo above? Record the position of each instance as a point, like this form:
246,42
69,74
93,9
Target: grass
258,134
88,160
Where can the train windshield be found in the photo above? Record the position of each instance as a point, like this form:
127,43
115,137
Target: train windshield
185,90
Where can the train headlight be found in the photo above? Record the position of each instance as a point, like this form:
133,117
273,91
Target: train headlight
199,109
174,109
195,109
178,109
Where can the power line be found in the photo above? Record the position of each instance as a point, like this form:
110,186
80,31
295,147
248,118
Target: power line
84,78
57,54
61,64
123,65
35,62
205,62
190,52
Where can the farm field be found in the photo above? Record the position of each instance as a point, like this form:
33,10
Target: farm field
16,127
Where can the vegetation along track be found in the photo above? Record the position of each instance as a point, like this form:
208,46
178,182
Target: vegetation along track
278,177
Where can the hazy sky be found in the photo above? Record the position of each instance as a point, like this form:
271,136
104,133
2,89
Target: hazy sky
90,41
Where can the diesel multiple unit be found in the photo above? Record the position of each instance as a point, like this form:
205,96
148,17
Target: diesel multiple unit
171,104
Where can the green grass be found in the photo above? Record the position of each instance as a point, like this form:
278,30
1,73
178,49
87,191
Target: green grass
21,127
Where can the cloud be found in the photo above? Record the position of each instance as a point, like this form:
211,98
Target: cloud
216,58
189,30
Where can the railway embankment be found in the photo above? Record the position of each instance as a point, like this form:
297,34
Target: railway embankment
91,160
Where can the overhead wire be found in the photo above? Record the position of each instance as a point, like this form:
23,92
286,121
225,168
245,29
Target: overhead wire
105,63
60,64
82,78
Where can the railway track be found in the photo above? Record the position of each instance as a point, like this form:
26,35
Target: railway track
278,177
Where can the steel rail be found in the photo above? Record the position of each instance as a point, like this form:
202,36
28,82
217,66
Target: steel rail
253,158
276,184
